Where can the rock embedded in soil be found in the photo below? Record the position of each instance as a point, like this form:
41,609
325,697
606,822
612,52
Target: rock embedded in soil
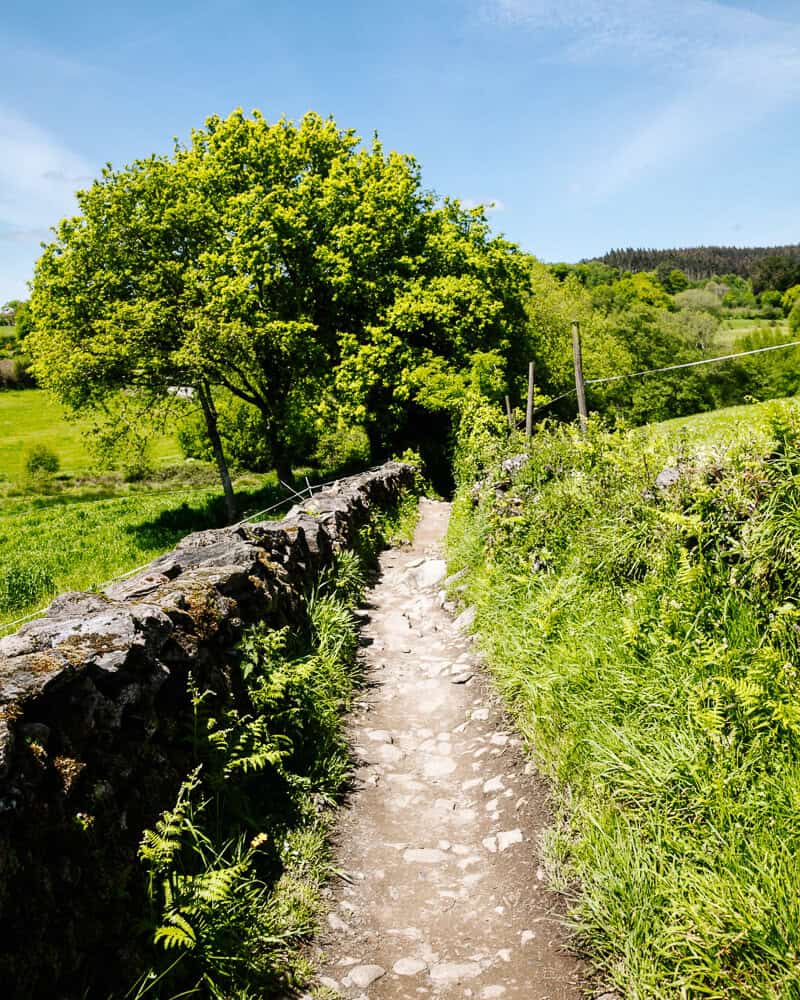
409,966
363,976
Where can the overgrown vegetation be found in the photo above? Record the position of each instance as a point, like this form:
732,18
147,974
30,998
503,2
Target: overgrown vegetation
646,638
235,870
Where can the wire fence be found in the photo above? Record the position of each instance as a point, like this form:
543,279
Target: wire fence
306,494
666,368
309,490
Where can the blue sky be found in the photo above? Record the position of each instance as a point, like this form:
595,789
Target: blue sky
590,124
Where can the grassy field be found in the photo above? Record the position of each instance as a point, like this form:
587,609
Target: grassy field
31,417
53,544
81,528
748,424
648,643
733,329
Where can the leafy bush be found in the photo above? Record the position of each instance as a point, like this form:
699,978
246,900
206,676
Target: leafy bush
41,460
343,446
241,428
794,319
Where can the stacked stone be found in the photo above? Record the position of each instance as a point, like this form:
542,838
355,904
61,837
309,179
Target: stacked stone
94,705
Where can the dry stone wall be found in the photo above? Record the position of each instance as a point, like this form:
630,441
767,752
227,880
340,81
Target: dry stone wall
94,711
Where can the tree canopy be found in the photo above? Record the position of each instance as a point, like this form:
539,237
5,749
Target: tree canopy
306,272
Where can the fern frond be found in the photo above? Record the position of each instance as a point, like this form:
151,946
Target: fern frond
178,933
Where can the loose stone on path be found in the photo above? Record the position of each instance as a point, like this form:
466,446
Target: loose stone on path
439,836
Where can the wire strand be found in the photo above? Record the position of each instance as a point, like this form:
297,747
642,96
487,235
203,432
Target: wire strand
688,364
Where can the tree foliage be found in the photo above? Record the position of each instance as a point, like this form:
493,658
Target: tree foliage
699,263
288,263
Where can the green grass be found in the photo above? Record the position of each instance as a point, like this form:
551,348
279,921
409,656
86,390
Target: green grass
649,646
51,544
32,416
79,529
722,428
732,330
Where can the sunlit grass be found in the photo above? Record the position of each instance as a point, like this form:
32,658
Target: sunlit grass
646,643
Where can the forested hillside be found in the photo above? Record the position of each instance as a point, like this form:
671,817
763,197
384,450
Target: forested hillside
701,262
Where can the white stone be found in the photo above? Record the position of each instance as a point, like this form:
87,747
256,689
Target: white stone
448,972
490,843
431,572
466,618
438,767
493,785
336,923
363,975
527,936
379,736
508,838
424,856
409,966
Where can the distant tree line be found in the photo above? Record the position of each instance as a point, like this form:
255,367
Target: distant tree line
766,267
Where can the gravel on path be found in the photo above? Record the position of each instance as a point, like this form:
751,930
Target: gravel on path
443,893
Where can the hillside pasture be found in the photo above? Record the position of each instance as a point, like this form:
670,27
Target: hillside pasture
83,526
31,417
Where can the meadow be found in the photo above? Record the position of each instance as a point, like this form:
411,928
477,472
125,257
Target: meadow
81,527
647,640
733,328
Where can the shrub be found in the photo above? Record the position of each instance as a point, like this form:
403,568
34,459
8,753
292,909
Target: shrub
342,447
794,319
41,460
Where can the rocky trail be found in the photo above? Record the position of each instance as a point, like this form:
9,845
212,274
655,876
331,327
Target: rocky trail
442,891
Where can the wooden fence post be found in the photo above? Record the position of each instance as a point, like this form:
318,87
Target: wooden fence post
579,386
509,414
529,410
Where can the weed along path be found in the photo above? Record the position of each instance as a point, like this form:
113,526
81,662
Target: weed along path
442,892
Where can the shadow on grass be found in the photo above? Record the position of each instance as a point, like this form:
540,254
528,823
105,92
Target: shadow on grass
170,526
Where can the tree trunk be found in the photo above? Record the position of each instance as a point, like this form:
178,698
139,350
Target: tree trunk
210,414
283,467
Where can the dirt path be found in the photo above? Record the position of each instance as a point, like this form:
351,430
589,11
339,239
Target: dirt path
443,894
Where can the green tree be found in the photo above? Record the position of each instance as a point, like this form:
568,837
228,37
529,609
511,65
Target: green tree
771,298
114,301
790,297
794,319
777,272
671,278
291,265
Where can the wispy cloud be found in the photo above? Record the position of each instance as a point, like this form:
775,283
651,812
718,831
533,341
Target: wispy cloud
38,175
729,67
38,179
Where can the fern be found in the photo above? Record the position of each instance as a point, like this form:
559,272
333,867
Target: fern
178,933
